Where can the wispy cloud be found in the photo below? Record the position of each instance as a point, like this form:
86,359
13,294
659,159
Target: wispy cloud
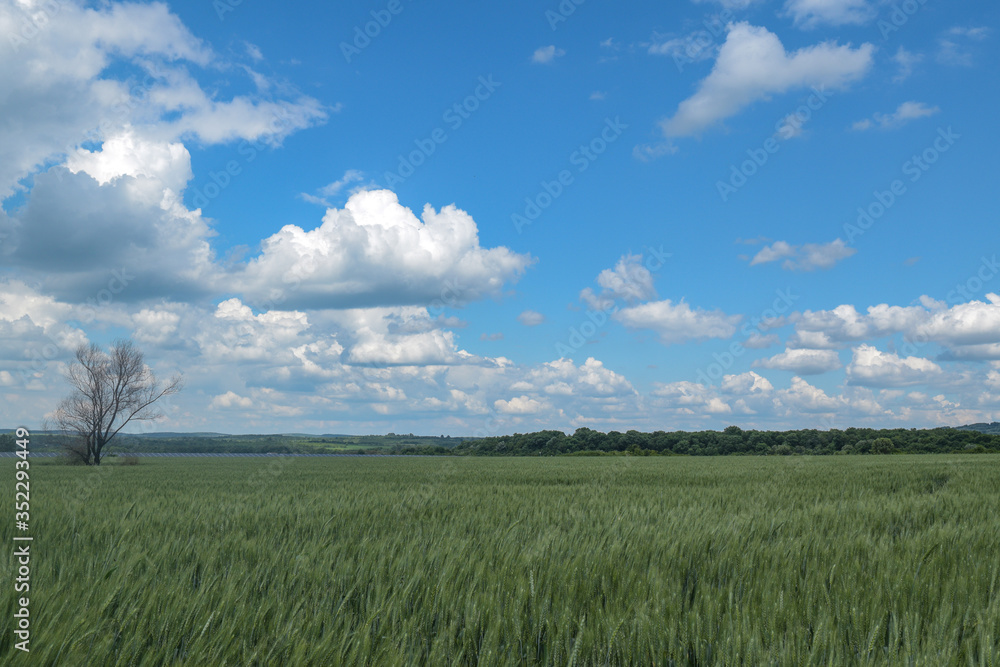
807,257
546,54
333,189
905,60
813,13
531,318
903,114
955,46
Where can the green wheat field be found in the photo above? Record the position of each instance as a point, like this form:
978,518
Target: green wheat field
891,560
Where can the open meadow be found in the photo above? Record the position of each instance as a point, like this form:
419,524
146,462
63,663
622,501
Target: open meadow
448,560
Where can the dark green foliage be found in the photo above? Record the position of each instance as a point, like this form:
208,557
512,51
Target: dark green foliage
731,441
734,441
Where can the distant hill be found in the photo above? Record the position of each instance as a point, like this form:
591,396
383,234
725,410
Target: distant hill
172,434
992,429
165,434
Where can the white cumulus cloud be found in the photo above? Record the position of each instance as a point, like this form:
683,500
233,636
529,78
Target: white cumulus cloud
376,252
802,362
752,65
519,405
231,400
871,367
630,280
678,322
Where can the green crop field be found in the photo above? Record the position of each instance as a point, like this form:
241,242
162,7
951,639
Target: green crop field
440,561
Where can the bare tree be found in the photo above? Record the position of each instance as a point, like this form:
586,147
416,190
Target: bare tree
110,389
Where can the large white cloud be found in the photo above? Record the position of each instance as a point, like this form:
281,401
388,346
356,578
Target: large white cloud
520,405
421,349
239,335
590,380
127,239
56,94
161,166
972,323
629,280
375,251
753,65
292,370
970,330
63,91
844,324
802,361
35,330
690,398
96,111
804,397
678,322
871,367
746,384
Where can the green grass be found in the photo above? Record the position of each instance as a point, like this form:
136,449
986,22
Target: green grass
775,560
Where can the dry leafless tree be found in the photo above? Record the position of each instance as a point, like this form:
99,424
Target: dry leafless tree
110,389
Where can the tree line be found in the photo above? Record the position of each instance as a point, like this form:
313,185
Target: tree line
731,441
583,442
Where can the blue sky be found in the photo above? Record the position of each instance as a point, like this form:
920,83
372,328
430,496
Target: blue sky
489,219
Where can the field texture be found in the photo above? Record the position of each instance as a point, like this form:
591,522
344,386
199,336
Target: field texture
441,561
